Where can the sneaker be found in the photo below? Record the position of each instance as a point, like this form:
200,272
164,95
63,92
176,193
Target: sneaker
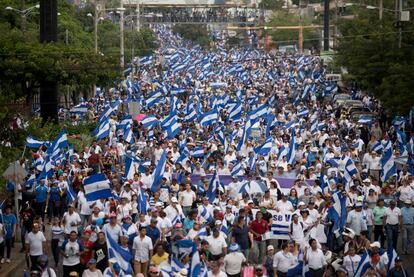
8,261
2,260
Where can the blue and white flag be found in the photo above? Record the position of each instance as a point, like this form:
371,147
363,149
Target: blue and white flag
129,135
131,166
119,255
253,187
246,131
290,156
34,143
142,202
237,167
213,187
206,214
96,187
197,152
235,112
258,113
102,130
149,121
265,148
338,212
209,118
79,109
362,264
159,172
388,166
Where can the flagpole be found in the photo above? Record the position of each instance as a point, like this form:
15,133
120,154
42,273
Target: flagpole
24,150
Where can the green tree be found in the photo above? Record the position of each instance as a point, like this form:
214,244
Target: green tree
368,48
195,33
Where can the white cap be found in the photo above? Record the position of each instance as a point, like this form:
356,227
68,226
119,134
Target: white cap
174,200
218,222
270,247
376,244
301,203
367,180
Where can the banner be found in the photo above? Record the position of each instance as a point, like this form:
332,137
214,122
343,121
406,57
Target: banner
280,225
284,182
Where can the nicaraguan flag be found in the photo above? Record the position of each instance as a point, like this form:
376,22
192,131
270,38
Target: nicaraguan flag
388,167
129,135
102,130
362,266
258,113
236,169
209,118
213,187
34,143
246,131
290,157
142,201
119,255
159,172
131,166
265,148
197,152
235,112
96,187
206,214
338,212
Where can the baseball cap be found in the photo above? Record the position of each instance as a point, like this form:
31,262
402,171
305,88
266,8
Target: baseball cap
376,244
174,200
270,247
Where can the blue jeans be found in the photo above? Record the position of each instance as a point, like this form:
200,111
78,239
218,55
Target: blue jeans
261,247
407,236
392,236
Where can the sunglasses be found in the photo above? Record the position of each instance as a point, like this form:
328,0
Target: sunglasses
154,272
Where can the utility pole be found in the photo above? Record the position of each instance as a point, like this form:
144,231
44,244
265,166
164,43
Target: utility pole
95,28
138,17
326,26
400,4
48,33
121,30
381,8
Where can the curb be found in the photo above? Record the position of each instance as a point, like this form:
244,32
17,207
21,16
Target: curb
18,262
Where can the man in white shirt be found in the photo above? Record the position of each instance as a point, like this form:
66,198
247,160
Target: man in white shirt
234,260
315,258
186,198
112,228
283,261
71,250
35,243
142,247
71,220
351,262
284,205
215,270
217,245
173,210
356,219
392,219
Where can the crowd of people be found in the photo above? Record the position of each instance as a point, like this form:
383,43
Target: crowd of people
202,15
240,163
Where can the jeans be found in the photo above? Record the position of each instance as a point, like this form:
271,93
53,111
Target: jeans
23,232
34,263
392,236
407,236
40,209
261,247
369,230
8,244
379,234
55,251
246,253
84,222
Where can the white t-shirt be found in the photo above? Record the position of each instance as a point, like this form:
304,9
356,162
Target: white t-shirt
88,273
216,245
69,219
283,261
46,273
187,198
114,231
142,248
220,274
35,242
233,262
392,215
351,264
71,250
84,205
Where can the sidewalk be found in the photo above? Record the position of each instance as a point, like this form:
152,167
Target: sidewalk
18,261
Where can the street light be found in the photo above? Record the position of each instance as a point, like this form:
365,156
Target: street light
121,11
23,13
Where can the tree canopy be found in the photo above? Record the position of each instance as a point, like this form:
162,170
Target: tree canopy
368,48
